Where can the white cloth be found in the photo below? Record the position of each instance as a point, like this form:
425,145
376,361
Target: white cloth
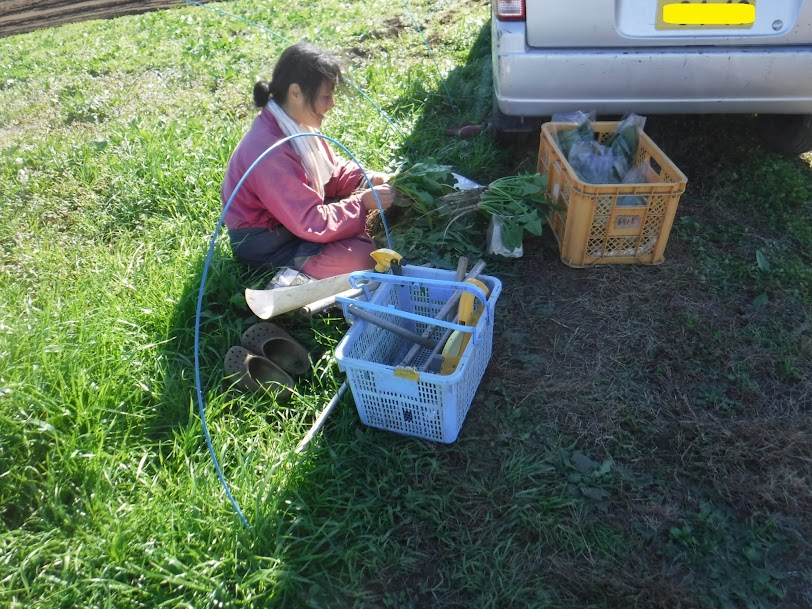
315,161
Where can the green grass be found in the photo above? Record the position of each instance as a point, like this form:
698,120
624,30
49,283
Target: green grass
641,438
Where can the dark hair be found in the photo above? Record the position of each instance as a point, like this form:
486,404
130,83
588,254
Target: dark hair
301,63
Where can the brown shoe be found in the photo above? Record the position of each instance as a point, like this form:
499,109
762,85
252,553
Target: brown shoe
251,372
272,342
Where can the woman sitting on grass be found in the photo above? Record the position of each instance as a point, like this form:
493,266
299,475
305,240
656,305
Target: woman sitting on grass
301,206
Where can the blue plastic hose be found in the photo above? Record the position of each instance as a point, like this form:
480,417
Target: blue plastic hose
207,264
221,220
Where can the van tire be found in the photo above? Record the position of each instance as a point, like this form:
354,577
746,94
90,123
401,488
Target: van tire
786,134
505,129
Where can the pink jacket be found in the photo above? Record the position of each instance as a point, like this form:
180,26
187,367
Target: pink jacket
278,190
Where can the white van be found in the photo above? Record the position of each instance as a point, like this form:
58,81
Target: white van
656,57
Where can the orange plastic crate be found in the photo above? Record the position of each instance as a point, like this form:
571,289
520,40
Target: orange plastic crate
589,225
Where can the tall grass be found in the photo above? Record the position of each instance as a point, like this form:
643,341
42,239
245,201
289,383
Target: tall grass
115,135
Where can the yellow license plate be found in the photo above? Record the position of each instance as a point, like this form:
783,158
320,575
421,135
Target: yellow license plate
705,14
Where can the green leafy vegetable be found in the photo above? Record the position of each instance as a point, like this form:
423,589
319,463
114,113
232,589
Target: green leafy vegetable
567,138
520,201
421,184
427,190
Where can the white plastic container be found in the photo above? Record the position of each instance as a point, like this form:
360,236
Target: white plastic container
408,400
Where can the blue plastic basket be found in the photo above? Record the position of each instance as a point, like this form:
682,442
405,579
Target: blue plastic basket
408,400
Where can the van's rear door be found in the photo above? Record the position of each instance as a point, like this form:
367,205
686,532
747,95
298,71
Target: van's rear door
642,23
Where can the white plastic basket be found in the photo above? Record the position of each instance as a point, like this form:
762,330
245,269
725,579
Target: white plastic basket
408,400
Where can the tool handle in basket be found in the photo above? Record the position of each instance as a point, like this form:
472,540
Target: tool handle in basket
391,327
446,311
325,303
365,277
349,302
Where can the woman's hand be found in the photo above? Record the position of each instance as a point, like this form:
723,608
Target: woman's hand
386,195
378,178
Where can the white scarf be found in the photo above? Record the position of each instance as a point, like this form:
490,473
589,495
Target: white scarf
315,161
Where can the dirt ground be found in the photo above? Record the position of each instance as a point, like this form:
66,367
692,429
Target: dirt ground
21,16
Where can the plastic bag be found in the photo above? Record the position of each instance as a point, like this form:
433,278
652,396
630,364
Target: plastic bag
599,163
593,162
624,143
576,116
287,277
496,244
583,132
642,173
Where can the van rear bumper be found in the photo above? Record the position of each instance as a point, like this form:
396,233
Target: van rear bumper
706,79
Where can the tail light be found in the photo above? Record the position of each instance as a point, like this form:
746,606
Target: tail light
510,10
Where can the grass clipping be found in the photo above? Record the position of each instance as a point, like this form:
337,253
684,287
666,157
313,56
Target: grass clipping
520,202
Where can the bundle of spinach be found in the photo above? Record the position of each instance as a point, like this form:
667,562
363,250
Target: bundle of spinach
427,190
421,184
521,201
604,162
567,138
